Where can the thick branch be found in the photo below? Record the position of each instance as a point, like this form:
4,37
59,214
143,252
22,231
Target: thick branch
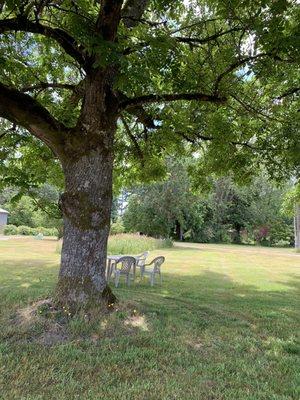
109,18
139,112
288,93
161,98
21,109
207,39
238,63
66,41
192,41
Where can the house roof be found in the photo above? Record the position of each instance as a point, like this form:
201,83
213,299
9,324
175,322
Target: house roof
3,211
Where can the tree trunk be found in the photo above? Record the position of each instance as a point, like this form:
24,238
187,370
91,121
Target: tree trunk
86,207
297,227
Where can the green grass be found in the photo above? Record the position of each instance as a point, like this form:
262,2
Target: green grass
223,325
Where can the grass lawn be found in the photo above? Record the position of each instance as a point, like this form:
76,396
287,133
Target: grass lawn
223,325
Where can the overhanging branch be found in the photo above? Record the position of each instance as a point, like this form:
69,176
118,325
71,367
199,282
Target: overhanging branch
168,97
238,63
64,39
23,110
288,93
193,40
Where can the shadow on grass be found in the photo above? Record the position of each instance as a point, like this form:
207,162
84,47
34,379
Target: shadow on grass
213,299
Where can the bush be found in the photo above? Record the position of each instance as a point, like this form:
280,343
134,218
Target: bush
10,230
117,227
46,231
27,231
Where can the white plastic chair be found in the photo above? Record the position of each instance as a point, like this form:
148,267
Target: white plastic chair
141,260
156,264
124,264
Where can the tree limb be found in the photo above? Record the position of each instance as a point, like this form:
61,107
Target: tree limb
207,39
132,138
109,18
161,98
288,93
64,39
139,112
233,66
23,110
187,40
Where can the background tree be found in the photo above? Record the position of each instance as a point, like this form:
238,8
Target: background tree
138,78
162,209
291,207
227,212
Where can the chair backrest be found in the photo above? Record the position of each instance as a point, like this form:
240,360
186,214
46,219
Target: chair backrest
126,263
141,258
158,261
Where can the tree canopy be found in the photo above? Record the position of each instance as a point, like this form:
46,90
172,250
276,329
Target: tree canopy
221,77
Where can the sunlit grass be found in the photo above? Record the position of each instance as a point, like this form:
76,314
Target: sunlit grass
224,325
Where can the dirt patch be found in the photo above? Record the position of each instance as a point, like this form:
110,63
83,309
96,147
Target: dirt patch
137,321
43,316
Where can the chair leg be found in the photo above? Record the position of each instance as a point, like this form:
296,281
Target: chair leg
142,271
152,279
160,278
128,280
117,278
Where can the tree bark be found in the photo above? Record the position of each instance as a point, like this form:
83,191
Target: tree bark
86,203
86,207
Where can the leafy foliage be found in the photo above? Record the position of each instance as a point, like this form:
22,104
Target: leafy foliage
226,213
244,52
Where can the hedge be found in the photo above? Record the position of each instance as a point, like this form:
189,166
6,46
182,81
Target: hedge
26,230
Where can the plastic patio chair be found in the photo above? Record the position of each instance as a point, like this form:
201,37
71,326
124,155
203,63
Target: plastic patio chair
156,264
141,260
123,267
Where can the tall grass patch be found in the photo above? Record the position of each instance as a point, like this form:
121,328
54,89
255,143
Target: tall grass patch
126,243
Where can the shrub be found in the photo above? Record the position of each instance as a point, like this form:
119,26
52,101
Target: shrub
26,230
46,231
10,230
117,227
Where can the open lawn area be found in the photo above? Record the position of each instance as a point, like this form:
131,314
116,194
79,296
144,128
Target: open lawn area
223,325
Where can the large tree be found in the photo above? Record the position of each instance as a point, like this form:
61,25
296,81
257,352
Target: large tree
140,77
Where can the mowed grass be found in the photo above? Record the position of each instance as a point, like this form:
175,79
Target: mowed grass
223,325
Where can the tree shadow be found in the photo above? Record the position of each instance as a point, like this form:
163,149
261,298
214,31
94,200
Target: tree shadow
212,299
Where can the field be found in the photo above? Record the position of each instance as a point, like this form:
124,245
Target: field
223,325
